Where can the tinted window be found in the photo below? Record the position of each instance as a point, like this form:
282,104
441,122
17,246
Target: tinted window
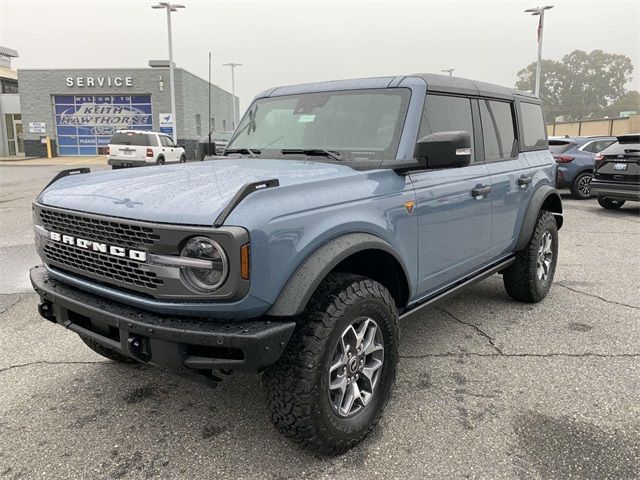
129,138
535,134
446,114
498,130
600,145
558,146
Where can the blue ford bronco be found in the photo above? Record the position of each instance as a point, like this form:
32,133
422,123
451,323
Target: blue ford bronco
337,209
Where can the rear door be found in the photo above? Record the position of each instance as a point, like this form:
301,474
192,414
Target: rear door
511,175
454,218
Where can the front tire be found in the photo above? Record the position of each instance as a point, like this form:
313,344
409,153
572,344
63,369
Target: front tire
183,159
329,388
529,278
610,203
581,186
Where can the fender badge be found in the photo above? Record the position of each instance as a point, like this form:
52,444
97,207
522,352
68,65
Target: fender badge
409,204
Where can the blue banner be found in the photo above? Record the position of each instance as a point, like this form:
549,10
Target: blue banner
86,122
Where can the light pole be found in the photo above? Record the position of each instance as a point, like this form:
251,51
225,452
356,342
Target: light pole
171,7
540,12
449,71
233,89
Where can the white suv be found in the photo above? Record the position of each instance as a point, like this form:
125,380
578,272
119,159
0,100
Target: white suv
129,148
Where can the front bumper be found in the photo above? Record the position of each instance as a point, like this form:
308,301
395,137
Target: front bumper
186,345
616,191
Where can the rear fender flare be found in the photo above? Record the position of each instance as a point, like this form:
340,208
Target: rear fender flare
544,196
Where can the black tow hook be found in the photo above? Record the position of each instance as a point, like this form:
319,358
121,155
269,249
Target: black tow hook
45,309
140,348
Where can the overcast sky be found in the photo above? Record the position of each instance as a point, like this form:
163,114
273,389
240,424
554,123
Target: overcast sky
285,42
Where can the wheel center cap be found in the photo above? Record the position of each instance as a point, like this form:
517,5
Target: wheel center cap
353,365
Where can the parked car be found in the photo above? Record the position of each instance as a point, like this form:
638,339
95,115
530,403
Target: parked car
616,177
218,144
338,209
134,148
575,157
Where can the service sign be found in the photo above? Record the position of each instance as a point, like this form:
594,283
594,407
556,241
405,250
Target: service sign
37,127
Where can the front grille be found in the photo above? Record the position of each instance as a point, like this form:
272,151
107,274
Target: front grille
101,265
106,231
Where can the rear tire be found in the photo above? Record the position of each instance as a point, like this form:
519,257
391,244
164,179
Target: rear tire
107,352
160,161
581,186
610,203
529,278
328,390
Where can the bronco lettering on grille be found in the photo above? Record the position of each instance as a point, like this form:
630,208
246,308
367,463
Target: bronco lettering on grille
99,247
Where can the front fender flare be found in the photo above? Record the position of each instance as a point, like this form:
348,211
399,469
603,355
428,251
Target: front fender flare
298,290
544,194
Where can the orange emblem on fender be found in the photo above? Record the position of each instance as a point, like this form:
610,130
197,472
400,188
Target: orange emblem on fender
409,204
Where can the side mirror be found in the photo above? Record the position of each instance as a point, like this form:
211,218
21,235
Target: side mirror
444,150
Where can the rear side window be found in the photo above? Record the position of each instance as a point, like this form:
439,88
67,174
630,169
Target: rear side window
533,129
446,114
498,130
129,138
600,145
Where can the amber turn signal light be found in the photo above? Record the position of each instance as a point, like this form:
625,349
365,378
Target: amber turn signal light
244,262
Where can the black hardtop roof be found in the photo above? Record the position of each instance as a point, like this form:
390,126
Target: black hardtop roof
464,86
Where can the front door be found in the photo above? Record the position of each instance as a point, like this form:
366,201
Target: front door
454,215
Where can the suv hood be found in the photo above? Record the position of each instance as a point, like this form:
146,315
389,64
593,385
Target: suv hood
191,194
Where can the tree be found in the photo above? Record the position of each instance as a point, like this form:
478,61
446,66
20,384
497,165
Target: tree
630,101
581,85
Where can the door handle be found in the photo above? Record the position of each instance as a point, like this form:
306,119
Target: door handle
522,181
480,191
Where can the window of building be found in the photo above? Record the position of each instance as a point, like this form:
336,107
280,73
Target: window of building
498,130
198,125
534,131
224,125
213,123
9,86
446,114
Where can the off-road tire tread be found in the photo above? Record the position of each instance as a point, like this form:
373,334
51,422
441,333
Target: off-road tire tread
107,352
290,383
520,278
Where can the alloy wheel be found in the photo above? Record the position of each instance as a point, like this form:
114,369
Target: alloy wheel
545,257
584,186
356,363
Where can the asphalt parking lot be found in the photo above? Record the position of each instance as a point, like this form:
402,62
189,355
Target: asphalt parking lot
487,388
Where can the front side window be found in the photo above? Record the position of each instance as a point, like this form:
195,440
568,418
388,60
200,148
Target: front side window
498,130
534,131
446,114
357,124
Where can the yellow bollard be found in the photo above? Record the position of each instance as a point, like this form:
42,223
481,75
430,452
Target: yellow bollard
48,147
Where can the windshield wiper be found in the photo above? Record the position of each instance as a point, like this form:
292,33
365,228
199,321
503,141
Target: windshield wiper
249,151
313,151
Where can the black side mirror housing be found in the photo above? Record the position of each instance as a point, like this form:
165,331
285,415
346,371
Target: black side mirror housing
444,150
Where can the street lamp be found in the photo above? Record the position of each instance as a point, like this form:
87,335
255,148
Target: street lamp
540,12
449,71
233,89
171,7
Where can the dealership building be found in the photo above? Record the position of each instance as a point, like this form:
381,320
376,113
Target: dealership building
80,109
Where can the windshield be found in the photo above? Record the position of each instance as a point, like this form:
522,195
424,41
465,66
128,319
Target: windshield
357,124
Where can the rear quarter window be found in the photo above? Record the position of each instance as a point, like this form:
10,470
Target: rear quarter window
534,132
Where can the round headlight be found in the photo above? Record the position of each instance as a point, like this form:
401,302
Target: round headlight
205,280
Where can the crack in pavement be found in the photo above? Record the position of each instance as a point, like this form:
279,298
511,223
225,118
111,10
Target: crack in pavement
45,362
475,327
524,355
12,304
560,284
